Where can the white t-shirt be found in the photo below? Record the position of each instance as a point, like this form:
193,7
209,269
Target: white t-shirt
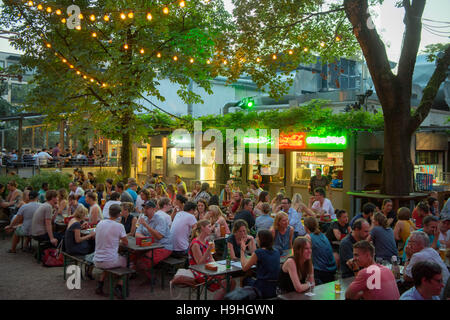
427,254
327,207
42,158
139,203
167,217
106,208
443,238
78,192
107,236
181,230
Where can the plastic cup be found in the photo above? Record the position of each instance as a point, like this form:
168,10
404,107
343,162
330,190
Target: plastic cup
213,247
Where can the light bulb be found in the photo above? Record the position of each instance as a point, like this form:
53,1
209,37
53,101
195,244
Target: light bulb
305,49
64,60
166,10
175,58
258,60
123,16
30,3
158,55
92,17
49,9
48,45
291,52
78,27
63,20
131,15
106,18
58,12
191,60
40,6
149,16
322,44
208,61
274,57
81,16
182,4
94,34
125,47
142,51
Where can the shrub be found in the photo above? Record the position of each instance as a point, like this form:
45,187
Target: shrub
56,180
102,175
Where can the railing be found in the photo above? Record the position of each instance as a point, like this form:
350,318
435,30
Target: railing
60,163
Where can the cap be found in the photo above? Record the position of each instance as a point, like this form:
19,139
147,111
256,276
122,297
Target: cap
176,175
445,216
149,204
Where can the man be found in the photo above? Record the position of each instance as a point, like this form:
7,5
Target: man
178,204
367,213
337,231
165,210
181,228
428,282
75,190
132,191
43,157
108,234
322,205
113,199
28,158
180,182
319,181
23,220
430,227
360,231
420,212
42,191
374,281
56,152
155,226
246,213
41,226
295,218
13,155
418,249
204,193
255,189
236,202
14,195
444,227
124,196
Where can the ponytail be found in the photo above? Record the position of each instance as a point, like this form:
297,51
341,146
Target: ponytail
198,228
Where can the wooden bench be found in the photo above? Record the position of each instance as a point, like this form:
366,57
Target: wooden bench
79,260
198,288
123,274
170,264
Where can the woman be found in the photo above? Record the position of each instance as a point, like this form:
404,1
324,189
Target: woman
217,220
196,190
128,221
322,253
433,203
95,212
200,253
298,205
87,186
390,215
264,221
143,196
276,202
73,205
297,272
63,204
263,198
225,195
81,178
100,190
382,238
200,212
267,261
160,191
403,228
172,192
282,232
73,241
109,187
239,234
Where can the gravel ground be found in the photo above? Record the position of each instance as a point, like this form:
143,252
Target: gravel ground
22,278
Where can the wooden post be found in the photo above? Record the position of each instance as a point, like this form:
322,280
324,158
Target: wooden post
19,138
32,138
61,136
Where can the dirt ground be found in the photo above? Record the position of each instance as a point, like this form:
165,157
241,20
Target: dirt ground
23,278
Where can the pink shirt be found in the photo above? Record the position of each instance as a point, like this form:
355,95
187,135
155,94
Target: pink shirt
385,289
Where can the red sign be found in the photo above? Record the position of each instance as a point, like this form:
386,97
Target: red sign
292,140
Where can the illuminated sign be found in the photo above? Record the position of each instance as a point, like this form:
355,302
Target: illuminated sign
259,140
327,140
292,141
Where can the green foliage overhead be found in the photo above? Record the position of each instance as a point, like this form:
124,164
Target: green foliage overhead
432,50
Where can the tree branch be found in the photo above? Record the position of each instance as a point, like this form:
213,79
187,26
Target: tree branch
430,91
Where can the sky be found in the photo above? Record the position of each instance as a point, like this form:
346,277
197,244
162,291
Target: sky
389,23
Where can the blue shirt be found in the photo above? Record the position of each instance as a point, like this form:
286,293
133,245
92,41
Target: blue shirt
431,237
413,294
159,224
322,253
133,194
82,200
360,215
263,222
295,220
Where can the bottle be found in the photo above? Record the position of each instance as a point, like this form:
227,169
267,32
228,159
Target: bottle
395,267
228,265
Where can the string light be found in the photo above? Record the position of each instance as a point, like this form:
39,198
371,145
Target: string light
149,16
64,60
166,10
322,44
274,57
81,16
258,60
158,55
142,51
123,16
71,66
40,7
49,10
131,15
291,52
182,4
208,61
305,49
106,18
338,38
63,20
48,45
94,34
175,58
58,12
78,27
30,3
191,60
125,46
78,72
225,62
92,17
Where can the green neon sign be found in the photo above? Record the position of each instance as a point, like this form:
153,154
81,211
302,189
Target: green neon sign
258,140
329,140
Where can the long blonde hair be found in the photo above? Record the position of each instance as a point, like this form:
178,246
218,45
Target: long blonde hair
216,214
296,199
280,215
197,229
303,269
80,212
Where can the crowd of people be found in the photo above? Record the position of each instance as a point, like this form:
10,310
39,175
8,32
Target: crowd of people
323,244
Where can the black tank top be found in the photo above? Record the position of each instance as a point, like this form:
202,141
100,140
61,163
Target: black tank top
127,223
285,282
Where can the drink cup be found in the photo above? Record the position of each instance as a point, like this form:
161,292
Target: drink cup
213,247
442,253
337,287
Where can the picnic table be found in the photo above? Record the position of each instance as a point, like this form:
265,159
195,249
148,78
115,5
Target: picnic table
133,247
322,292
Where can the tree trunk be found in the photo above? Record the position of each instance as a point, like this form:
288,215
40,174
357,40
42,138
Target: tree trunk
125,154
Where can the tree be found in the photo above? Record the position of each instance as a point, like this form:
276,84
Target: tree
99,71
292,29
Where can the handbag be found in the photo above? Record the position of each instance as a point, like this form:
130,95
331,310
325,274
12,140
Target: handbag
53,257
183,277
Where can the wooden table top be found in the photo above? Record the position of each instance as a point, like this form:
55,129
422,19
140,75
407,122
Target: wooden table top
132,245
322,292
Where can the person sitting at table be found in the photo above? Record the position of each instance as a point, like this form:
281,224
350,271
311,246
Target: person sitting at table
264,221
360,231
298,205
75,190
245,213
178,205
128,220
322,206
322,253
382,238
386,209
100,190
201,211
433,204
444,230
196,190
428,282
204,193
297,273
276,202
124,195
63,205
267,261
22,222
217,219
108,234
181,229
14,195
430,227
165,209
235,203
367,213
262,198
226,194
200,253
155,225
403,228
282,232
41,226
295,218
143,196
95,212
109,187
74,243
113,199
132,190
418,249
420,212
384,287
240,232
73,205
337,231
